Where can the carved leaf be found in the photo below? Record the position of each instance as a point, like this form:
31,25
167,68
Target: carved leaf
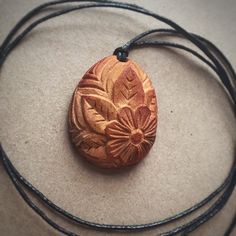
88,140
147,84
97,155
90,80
128,89
76,111
99,67
93,145
72,117
150,101
98,112
111,73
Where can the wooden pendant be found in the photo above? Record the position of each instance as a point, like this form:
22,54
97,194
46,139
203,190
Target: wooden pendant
113,114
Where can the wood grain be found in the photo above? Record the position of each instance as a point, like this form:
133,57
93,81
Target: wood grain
113,114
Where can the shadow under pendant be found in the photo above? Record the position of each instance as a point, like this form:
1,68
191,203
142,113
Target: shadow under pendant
113,114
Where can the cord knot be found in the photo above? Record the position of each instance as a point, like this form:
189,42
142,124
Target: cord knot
121,54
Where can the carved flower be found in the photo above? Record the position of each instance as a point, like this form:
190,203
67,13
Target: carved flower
131,135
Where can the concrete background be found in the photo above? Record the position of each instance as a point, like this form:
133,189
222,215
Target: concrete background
196,134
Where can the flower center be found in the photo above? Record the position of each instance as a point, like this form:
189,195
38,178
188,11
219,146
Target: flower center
136,136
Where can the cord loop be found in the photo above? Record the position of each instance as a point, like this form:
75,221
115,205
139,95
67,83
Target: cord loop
121,53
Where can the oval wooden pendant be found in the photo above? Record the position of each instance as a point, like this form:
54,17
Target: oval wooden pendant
113,114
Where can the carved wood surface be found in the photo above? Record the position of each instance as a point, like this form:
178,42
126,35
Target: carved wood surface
113,114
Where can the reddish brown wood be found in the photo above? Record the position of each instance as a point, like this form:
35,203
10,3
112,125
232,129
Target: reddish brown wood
113,114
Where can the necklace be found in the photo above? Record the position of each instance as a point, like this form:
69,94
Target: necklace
141,109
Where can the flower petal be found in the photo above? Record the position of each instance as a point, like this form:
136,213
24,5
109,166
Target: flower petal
126,117
124,152
144,148
130,155
117,130
150,127
142,115
150,133
117,147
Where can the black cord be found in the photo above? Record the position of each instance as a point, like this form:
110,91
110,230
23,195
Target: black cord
215,60
231,226
23,194
135,42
